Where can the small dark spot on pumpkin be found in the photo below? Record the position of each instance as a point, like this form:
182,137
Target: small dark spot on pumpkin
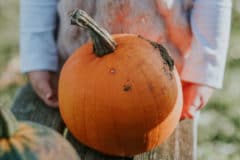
127,87
151,87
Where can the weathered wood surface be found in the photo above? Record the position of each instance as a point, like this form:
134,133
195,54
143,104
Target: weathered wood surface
180,146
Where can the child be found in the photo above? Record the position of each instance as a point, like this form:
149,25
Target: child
196,28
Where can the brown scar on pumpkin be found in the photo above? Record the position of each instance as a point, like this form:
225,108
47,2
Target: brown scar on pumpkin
163,52
127,87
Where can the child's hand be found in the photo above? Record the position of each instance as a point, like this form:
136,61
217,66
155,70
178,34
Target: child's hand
195,97
44,84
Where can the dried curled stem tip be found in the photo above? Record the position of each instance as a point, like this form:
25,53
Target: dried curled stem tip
103,41
77,17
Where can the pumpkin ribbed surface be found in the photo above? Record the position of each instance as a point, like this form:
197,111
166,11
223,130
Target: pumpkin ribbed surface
123,103
35,142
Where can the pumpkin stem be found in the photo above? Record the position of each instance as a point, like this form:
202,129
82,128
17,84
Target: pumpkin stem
103,42
8,123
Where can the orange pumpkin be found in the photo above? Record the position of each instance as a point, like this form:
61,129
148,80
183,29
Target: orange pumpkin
122,103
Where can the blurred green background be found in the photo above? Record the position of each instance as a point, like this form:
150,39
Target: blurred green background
219,129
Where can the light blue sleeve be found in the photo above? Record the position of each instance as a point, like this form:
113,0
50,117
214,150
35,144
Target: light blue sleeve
210,23
38,49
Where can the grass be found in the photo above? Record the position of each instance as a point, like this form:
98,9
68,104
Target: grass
219,126
9,24
9,32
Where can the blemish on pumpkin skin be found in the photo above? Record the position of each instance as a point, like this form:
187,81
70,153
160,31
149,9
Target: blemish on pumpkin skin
169,74
150,86
112,70
167,60
163,52
127,87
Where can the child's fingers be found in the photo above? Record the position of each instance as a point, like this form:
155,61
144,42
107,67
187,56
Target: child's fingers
186,115
43,83
196,97
46,93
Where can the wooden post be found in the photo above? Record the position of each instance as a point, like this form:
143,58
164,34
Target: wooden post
27,106
179,146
